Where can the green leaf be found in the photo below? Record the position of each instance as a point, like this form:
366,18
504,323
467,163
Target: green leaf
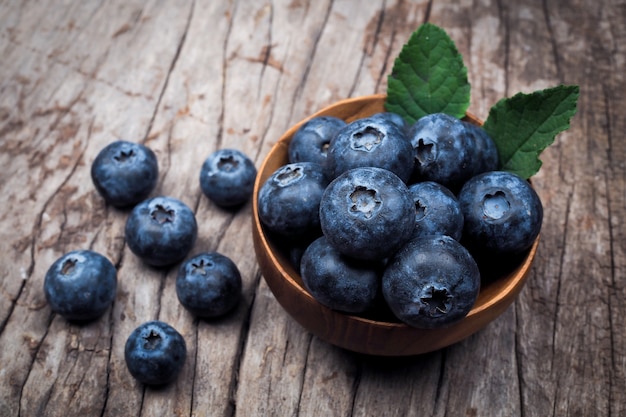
524,125
428,76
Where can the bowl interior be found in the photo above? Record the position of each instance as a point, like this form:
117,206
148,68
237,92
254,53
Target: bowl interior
378,333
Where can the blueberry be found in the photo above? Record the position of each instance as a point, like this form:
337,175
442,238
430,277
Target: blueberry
485,149
125,173
503,213
337,281
437,210
310,142
367,213
371,142
80,285
445,151
288,201
161,231
227,177
208,285
431,282
155,353
393,118
295,254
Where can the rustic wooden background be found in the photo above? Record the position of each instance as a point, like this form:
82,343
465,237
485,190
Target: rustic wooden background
188,77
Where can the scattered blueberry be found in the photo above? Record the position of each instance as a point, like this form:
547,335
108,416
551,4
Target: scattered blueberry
161,230
288,201
431,282
208,285
125,173
371,142
503,213
310,142
437,210
155,353
337,281
227,177
80,285
367,213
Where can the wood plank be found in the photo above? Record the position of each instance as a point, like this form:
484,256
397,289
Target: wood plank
580,277
189,77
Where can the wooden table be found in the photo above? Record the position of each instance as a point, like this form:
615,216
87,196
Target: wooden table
189,77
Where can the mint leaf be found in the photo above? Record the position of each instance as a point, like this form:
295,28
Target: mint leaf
428,76
524,125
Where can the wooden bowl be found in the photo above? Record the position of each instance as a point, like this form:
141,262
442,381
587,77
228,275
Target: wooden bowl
372,336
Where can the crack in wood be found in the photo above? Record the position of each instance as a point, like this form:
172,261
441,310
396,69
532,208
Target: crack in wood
170,70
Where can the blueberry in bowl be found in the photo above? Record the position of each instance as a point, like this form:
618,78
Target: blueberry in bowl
393,118
288,202
366,213
432,282
437,210
378,332
338,281
371,142
450,151
502,212
311,141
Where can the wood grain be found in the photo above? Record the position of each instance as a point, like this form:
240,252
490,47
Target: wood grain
188,77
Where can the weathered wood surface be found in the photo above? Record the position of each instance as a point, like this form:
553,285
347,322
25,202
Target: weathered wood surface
188,77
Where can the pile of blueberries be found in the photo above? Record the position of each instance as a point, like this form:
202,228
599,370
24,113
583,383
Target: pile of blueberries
81,285
377,212
372,211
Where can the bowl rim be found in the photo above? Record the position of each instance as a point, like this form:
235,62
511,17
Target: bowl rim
269,257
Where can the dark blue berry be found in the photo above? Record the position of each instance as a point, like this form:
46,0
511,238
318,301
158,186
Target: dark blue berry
310,142
449,151
125,173
367,213
485,150
161,231
437,210
289,200
80,285
393,118
371,142
337,281
208,285
227,177
442,150
296,252
503,213
431,282
155,353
